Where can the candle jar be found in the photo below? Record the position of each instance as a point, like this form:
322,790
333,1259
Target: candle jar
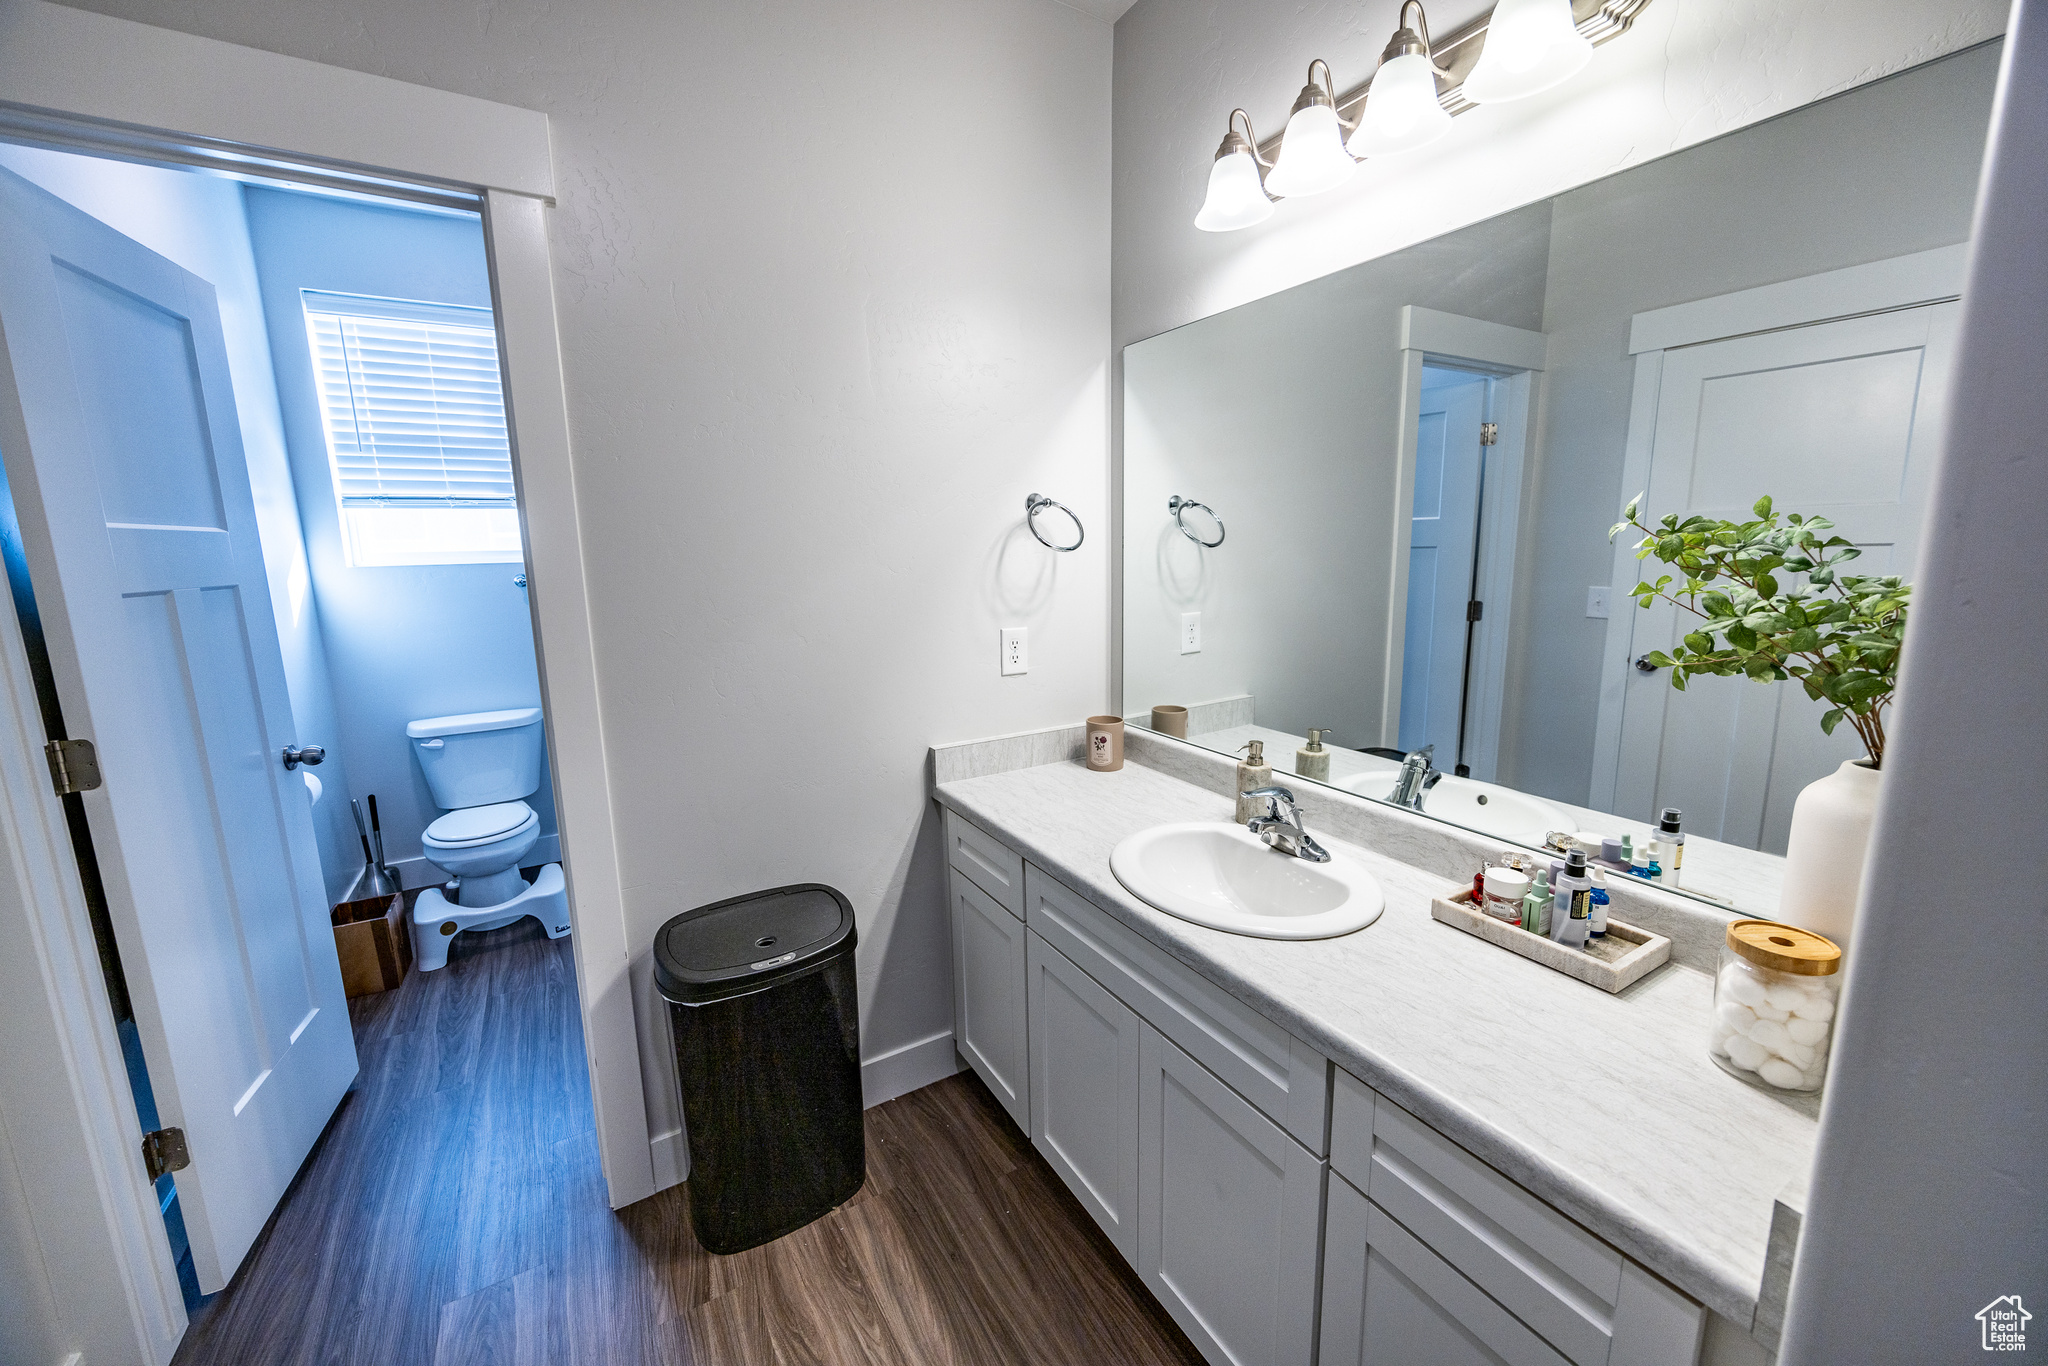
1774,1005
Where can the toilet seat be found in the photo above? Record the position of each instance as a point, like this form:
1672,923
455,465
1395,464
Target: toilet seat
474,825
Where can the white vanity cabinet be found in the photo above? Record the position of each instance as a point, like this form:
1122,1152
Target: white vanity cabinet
1431,1255
1084,1090
989,964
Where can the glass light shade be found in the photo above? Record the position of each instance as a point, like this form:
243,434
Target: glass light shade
1531,45
1235,199
1401,110
1312,156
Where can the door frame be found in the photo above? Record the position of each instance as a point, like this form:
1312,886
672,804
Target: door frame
86,82
1911,281
1513,358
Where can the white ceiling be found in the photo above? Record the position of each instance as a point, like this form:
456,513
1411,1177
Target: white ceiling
1109,11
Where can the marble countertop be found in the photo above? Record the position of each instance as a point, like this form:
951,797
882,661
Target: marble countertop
1606,1106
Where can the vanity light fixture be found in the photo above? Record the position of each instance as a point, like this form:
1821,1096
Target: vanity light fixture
1312,155
1522,48
1237,195
1531,45
1402,108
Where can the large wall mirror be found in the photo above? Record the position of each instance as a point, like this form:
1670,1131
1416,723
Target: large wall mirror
1378,504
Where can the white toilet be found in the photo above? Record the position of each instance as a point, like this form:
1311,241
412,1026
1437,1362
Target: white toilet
480,766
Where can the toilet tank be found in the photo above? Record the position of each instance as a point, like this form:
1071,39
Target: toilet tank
480,757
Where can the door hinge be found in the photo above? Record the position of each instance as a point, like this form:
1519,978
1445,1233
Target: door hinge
1474,610
74,766
1489,433
164,1150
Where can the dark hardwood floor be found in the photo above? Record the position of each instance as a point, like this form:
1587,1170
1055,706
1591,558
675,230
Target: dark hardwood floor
454,1213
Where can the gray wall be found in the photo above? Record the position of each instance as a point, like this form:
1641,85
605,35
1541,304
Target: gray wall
1284,415
403,641
833,289
1930,1186
1881,171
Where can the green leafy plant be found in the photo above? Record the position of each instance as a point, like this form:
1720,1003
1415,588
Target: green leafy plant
1837,634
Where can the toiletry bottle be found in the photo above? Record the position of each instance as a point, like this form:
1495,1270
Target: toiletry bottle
1670,845
1506,890
1575,899
1536,905
1639,859
1600,900
1479,889
1312,760
1655,872
1628,851
1560,912
1610,852
1252,771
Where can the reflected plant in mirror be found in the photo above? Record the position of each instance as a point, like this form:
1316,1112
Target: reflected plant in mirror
1840,640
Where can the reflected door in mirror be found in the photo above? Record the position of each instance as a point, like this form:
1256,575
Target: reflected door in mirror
1442,542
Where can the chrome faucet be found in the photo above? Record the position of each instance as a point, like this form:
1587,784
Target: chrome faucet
1281,826
1419,774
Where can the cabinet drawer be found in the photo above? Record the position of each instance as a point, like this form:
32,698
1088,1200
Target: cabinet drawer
1265,1064
988,861
1388,1300
1570,1286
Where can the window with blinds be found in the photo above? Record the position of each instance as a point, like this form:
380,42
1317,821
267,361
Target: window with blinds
415,423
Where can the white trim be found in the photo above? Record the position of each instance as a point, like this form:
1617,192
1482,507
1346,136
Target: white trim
71,62
1452,335
1923,277
669,1153
1517,356
516,236
1624,574
908,1068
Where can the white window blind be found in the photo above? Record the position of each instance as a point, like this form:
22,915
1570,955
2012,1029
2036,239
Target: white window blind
409,393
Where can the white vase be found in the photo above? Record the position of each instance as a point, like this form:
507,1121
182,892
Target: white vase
1824,856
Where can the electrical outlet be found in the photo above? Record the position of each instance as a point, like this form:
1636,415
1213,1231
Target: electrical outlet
1191,633
1016,642
1596,600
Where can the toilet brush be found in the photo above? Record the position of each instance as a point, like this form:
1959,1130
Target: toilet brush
377,841
373,881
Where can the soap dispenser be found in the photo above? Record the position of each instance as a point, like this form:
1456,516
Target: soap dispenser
1312,760
1252,771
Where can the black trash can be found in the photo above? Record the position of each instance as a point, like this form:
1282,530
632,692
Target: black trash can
766,1026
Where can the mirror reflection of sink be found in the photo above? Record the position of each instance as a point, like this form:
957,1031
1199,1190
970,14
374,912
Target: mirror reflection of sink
1490,809
1223,876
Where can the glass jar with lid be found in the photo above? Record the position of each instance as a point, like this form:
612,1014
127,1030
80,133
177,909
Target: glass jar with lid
1774,1005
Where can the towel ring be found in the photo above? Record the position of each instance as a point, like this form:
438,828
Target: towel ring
1178,505
1036,503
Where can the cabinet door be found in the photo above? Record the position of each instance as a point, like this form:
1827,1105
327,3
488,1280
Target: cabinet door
1084,1090
1389,1301
988,995
1229,1214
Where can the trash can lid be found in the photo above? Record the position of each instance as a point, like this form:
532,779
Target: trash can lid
735,947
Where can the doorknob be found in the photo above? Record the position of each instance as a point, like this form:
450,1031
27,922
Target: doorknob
1643,665
309,755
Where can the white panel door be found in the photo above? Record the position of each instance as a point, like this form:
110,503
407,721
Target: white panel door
1443,537
988,996
1229,1214
117,423
1388,1300
1840,419
1084,1090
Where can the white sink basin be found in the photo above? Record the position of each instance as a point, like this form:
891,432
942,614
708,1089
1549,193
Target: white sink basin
1491,810
1225,877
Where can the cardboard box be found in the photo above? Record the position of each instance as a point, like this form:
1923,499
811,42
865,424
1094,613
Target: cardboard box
374,944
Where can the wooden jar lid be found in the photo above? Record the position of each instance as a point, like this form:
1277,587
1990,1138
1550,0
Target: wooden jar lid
1771,945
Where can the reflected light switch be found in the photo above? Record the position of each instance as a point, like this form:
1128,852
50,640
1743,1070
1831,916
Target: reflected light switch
1596,600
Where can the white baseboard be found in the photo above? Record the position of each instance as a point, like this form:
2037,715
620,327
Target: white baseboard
671,1152
903,1070
896,1073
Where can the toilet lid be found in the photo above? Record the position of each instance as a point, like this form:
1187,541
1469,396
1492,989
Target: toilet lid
476,824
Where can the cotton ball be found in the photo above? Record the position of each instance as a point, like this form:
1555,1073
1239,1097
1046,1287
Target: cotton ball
1781,1074
1735,1016
1786,996
1738,984
1770,1034
1767,1011
1818,1006
1798,1054
1806,1031
1811,1080
1746,1053
1722,1034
